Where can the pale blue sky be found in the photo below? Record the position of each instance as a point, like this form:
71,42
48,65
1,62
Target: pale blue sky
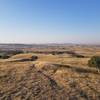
50,21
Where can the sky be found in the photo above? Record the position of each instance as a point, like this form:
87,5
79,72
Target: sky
50,21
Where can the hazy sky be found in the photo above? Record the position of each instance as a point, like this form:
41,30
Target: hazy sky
50,21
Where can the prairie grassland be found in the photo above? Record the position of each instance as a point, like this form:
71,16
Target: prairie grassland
50,77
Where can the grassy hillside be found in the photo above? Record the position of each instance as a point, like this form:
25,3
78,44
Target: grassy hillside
50,77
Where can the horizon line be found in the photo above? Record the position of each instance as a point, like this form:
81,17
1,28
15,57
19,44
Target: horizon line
48,43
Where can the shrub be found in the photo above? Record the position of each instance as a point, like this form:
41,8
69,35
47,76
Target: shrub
8,53
95,62
4,56
33,58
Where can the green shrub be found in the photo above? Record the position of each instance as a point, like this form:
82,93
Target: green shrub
94,62
33,58
7,54
4,56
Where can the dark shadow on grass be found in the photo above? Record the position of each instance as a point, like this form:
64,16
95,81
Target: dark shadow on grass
77,69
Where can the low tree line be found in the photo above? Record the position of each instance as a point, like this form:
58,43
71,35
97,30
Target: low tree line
9,53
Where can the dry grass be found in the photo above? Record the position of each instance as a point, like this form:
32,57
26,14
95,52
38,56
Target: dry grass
50,77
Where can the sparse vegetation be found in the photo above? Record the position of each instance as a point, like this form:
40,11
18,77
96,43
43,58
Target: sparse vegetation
43,76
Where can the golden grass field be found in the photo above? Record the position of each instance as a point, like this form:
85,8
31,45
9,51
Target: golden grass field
50,77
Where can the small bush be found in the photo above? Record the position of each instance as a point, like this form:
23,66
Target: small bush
4,56
94,62
33,58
